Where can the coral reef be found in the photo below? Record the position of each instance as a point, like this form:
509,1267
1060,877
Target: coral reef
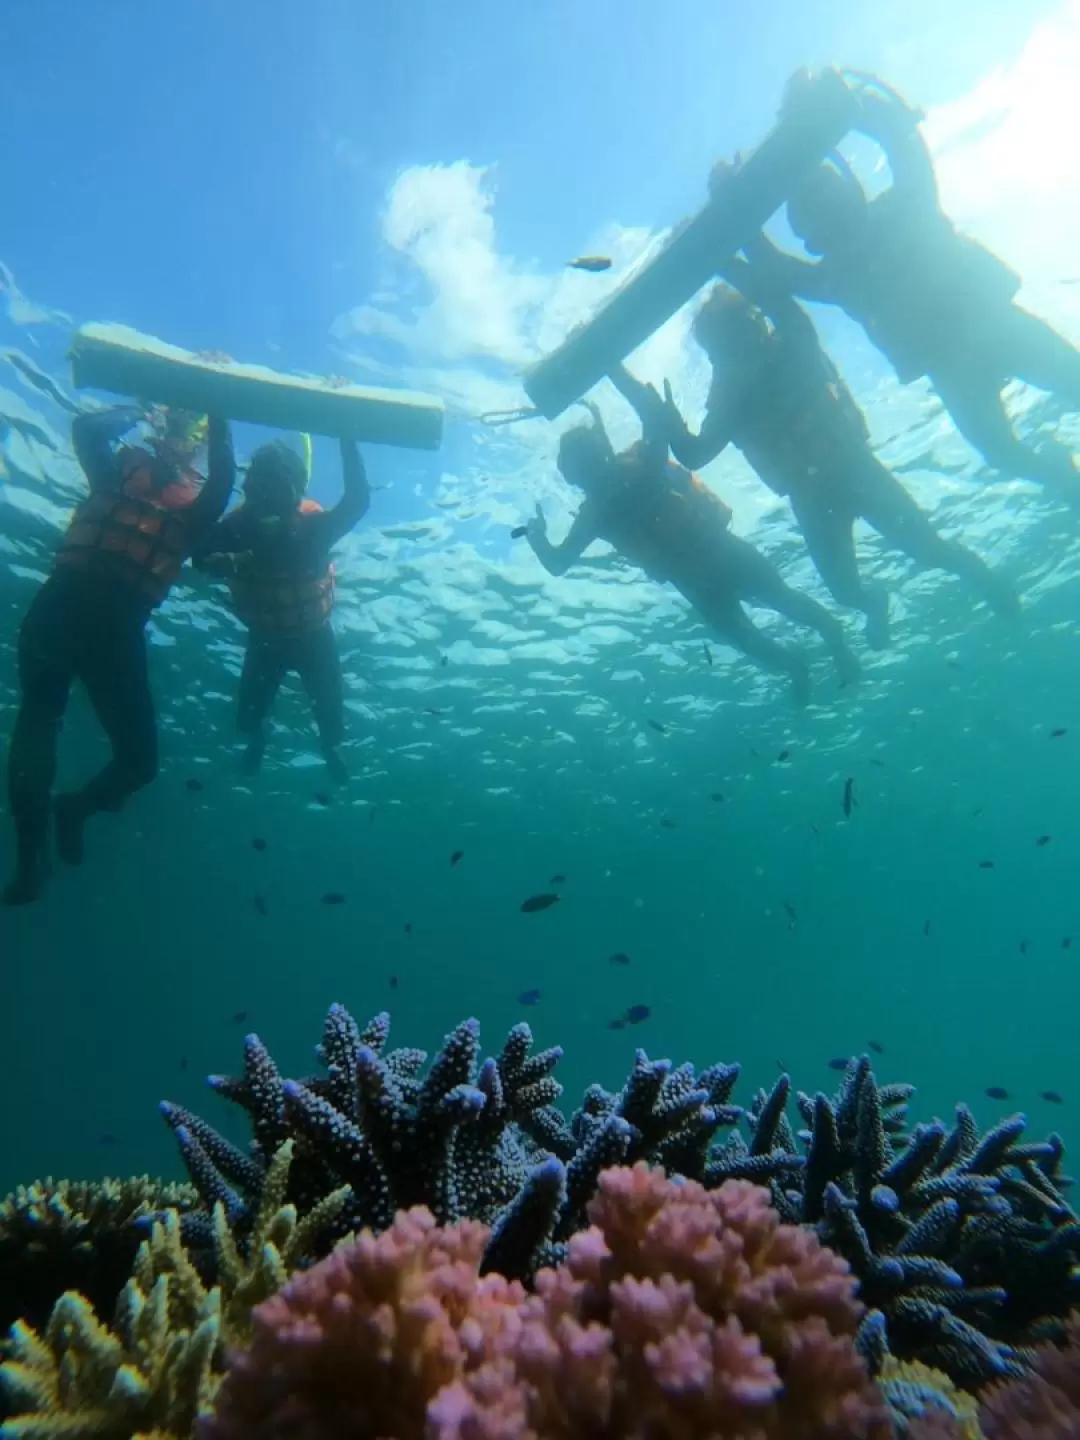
1044,1405
680,1311
925,1403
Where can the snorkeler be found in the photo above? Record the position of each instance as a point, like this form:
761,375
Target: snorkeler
122,553
663,519
933,301
777,397
275,554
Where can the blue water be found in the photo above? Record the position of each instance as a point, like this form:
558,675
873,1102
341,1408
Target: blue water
138,974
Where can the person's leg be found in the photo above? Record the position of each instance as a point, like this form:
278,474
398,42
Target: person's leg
974,402
887,506
115,673
46,671
265,664
719,607
1033,351
826,518
319,667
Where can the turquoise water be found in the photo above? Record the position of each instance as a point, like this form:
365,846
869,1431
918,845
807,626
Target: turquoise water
138,974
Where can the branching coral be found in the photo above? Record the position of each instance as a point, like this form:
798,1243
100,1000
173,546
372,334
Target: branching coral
680,1312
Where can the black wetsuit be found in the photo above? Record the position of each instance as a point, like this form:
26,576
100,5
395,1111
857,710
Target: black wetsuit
89,625
298,545
801,430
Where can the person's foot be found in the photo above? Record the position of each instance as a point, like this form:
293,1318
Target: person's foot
877,621
70,818
24,887
336,766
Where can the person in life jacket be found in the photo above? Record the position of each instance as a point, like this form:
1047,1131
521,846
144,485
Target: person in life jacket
777,397
121,554
274,553
933,301
665,520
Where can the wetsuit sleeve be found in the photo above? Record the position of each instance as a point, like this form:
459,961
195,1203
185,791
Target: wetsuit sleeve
801,277
888,121
557,559
228,537
765,290
220,477
694,451
93,436
325,530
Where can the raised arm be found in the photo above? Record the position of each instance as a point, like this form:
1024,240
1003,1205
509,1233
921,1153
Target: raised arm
95,433
763,288
693,451
557,559
327,528
885,118
210,505
651,411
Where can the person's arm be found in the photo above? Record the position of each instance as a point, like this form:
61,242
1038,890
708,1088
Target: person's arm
694,451
210,504
773,299
218,547
885,118
95,433
326,529
651,411
557,559
807,278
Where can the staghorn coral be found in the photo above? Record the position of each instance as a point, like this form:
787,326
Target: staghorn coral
159,1364
680,1311
58,1235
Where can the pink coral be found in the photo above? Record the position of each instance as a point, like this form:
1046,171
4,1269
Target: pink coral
680,1313
1044,1405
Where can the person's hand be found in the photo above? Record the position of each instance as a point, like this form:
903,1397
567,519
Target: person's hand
536,529
720,176
809,92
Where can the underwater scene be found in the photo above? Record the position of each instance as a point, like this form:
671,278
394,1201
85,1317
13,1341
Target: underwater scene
538,704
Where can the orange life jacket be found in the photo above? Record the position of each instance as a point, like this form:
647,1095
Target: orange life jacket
660,522
284,597
137,532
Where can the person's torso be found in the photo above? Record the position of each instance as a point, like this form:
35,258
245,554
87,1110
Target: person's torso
919,288
136,533
287,588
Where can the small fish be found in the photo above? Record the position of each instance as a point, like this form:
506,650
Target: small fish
194,785
619,958
333,897
529,997
322,798
1066,943
538,902
986,864
393,982
592,263
518,532
849,795
1043,840
879,763
557,880
814,828
260,905
1052,1096
708,652
976,812
783,756
996,1092
637,1013
953,663
1057,734
1023,947
876,1046
456,856
790,911
258,843
668,823
619,1024
430,710
444,661
408,927
106,1140
840,1063
926,927
656,725
183,1062
717,797
238,1017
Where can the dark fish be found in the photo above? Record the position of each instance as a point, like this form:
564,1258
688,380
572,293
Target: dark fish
183,1062
517,532
840,1063
717,797
849,795
592,263
1066,943
194,785
322,798
106,1140
333,897
637,1013
393,982
879,763
258,843
814,828
876,1046
926,927
708,652
953,663
997,1092
1052,1096
1043,840
790,911
656,725
444,661
408,928
557,880
538,902
260,905
619,958
668,823
1023,947
1057,734
528,997
784,755
616,1024
976,812
239,1016
986,864
430,710
456,856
